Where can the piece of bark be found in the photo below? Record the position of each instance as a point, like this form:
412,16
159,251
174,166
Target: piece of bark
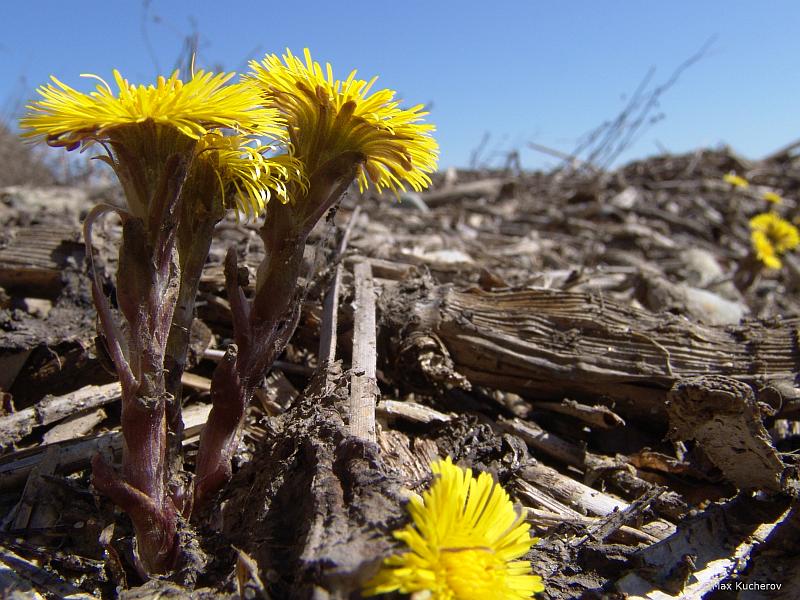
330,308
330,320
315,501
545,442
277,395
196,382
546,344
384,269
580,497
56,349
718,541
11,364
280,365
722,416
542,497
584,499
614,521
75,426
51,409
248,581
408,459
625,534
24,509
533,497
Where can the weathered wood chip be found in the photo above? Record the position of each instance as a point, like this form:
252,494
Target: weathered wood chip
721,415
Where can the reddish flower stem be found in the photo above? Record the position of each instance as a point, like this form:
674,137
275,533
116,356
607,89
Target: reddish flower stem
263,327
148,278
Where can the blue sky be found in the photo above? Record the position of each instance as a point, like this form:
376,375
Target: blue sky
522,71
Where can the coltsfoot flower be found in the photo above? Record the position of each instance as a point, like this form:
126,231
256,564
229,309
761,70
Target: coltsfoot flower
772,236
143,126
182,153
772,197
67,117
735,180
247,172
329,117
464,543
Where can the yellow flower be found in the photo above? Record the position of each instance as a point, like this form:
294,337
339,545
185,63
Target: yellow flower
67,117
765,251
772,197
246,177
772,236
781,234
328,117
735,180
144,126
464,542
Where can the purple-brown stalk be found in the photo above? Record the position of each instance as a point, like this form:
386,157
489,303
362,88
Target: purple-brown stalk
263,326
147,290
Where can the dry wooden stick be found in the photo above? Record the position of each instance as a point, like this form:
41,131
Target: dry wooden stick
582,498
617,472
15,426
566,490
626,534
281,365
76,454
27,578
330,322
488,188
330,309
410,411
363,383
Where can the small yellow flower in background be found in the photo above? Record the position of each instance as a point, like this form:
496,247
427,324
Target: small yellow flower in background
765,251
771,237
464,543
735,180
782,234
328,117
772,197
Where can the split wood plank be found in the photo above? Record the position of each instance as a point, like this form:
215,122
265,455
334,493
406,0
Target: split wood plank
32,261
363,382
15,426
548,344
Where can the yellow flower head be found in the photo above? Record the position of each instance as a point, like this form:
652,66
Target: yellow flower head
772,197
772,236
735,180
765,251
247,177
327,117
67,117
142,126
464,542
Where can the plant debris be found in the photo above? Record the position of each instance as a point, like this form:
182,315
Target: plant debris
602,343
